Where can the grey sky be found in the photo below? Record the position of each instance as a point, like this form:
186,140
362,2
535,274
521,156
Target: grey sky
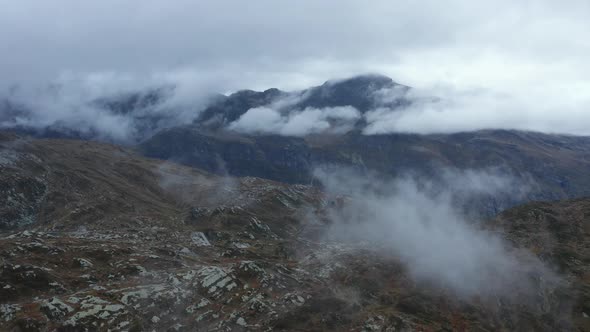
537,48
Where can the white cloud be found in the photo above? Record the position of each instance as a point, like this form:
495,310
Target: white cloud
421,224
70,104
265,120
457,111
530,49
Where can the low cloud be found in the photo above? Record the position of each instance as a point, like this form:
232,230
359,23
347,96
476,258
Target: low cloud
421,224
435,110
266,120
447,110
75,105
105,106
191,186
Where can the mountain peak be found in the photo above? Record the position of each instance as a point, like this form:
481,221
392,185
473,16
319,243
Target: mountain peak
357,91
362,81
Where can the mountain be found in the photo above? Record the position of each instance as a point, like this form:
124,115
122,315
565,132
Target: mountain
132,101
57,114
109,240
229,109
557,166
358,92
553,166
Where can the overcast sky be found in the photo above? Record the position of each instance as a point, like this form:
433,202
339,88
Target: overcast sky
526,48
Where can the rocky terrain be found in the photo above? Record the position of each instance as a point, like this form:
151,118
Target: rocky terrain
97,238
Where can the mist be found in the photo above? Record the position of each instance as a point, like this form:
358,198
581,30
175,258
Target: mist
82,106
263,120
191,185
107,107
423,226
445,109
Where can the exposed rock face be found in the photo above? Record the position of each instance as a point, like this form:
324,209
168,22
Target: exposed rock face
123,243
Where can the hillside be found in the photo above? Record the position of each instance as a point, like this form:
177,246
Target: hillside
557,165
97,237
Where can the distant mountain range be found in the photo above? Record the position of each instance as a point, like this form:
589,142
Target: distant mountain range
557,166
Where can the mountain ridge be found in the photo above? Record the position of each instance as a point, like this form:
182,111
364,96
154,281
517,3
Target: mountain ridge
557,163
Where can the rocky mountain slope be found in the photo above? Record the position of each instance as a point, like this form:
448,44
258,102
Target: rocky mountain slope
557,165
98,238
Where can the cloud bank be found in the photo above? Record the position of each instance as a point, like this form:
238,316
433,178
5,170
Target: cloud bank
530,51
445,110
421,224
105,107
439,110
263,120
